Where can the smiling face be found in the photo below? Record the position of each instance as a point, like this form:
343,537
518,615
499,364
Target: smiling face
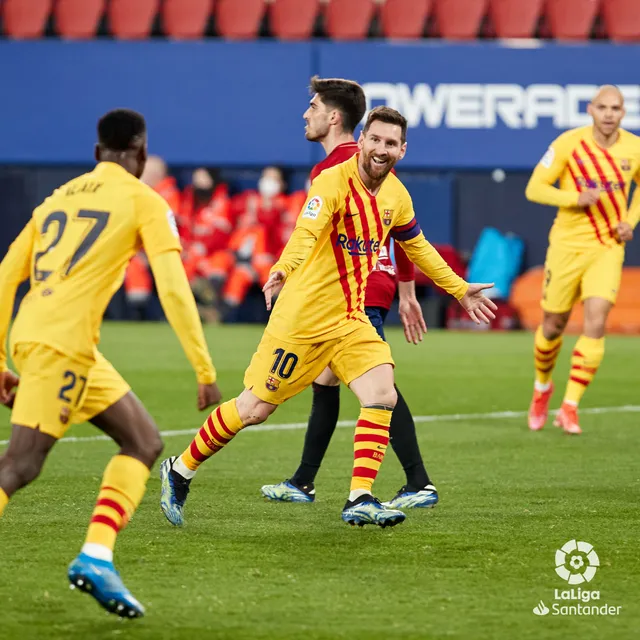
607,110
381,147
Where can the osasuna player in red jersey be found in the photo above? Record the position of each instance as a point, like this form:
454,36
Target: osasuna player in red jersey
336,108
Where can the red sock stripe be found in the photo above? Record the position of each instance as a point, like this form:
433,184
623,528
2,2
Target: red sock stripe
371,425
550,358
580,381
579,367
196,454
223,424
110,522
112,504
215,433
545,370
208,442
548,352
577,354
365,437
373,454
365,472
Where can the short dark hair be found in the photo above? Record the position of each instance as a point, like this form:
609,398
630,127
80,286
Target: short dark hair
388,115
121,129
345,95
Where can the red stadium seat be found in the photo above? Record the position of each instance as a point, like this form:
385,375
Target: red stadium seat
459,19
348,19
622,19
25,18
571,19
293,19
186,19
78,18
404,18
132,20
515,18
239,20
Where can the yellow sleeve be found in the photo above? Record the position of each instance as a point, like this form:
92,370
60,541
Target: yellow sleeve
320,205
407,232
633,214
14,269
541,187
156,223
181,311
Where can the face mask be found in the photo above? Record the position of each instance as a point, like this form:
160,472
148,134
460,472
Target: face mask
268,187
202,195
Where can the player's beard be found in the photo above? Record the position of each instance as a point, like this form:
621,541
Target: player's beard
375,171
315,134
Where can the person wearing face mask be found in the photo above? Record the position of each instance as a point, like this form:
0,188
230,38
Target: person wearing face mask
255,244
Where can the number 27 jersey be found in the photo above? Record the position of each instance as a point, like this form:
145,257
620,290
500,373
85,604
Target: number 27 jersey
75,250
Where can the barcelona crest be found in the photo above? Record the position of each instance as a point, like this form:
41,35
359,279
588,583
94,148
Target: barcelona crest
272,383
386,218
625,165
65,414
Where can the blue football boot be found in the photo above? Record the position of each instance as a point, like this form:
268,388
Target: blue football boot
407,498
173,492
368,510
288,492
101,581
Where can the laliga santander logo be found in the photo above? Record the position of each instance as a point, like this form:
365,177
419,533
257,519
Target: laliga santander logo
577,562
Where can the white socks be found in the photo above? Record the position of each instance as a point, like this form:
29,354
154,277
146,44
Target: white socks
356,493
181,468
98,551
541,386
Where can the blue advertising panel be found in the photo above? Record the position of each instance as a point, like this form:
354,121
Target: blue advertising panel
470,106
216,103
485,105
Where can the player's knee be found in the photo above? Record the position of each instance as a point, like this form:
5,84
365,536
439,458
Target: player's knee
389,397
554,325
252,410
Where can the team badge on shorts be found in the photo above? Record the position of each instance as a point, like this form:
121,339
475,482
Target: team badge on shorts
386,218
64,415
625,164
272,383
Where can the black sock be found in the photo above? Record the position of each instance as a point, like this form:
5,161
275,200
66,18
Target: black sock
405,445
322,424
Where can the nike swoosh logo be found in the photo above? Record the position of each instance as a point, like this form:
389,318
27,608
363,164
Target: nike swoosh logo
351,215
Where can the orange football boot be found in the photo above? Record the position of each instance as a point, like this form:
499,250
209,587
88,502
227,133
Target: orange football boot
539,408
567,418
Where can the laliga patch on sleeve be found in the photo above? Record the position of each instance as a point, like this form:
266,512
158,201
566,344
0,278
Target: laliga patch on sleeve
313,207
171,219
548,158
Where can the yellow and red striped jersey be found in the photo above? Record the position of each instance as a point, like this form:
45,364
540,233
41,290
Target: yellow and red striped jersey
579,163
334,248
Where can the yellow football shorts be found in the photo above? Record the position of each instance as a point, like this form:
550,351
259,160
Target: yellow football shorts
280,370
57,390
577,275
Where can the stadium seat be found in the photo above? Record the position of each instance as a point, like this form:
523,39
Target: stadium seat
78,18
459,19
622,19
25,18
404,18
348,19
293,19
186,19
515,18
239,20
131,20
571,19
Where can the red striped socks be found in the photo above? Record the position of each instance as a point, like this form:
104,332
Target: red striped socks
585,360
545,354
217,431
123,486
370,443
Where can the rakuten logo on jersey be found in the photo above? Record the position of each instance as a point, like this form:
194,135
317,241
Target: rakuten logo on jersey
485,106
357,246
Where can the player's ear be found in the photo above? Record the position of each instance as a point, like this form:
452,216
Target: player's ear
361,140
590,109
403,151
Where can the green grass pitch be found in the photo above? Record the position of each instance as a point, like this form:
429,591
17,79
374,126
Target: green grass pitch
472,568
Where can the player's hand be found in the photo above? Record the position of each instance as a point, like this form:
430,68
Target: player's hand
273,287
412,320
477,305
589,197
624,232
208,395
8,383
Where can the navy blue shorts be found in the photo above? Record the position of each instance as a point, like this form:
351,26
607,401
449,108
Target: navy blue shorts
377,316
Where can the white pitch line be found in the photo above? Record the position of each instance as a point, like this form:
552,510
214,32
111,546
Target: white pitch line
447,417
